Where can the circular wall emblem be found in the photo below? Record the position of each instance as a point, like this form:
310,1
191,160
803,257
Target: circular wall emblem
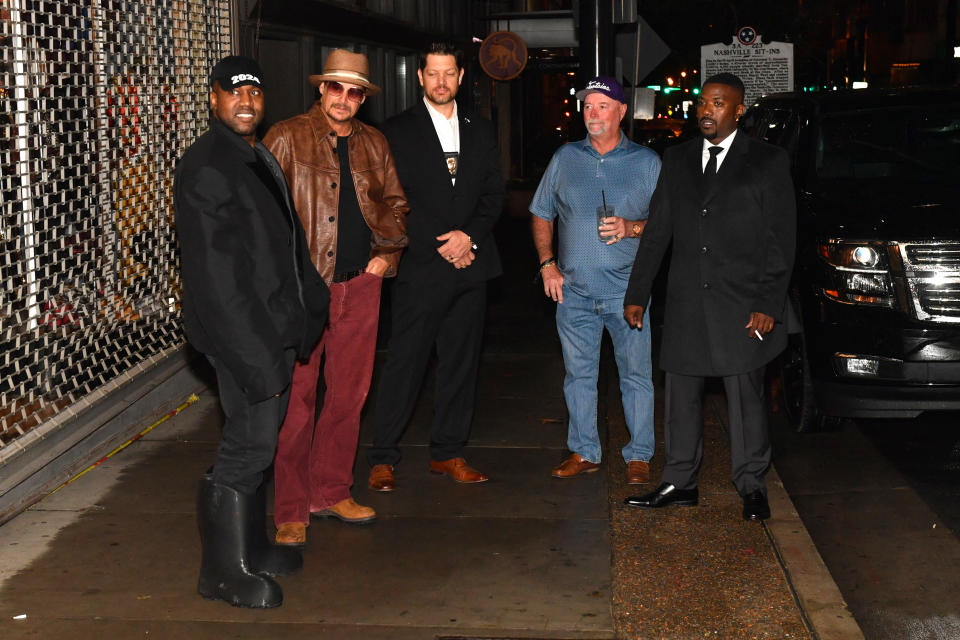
503,55
747,35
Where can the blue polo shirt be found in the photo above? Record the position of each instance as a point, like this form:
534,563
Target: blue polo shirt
571,191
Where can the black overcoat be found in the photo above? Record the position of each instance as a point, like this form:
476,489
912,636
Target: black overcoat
733,252
473,205
250,291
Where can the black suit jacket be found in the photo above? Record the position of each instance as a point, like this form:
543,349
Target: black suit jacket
250,290
733,252
473,205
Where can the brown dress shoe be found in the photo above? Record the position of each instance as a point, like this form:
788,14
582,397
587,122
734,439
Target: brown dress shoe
638,472
457,469
574,465
347,511
292,534
381,478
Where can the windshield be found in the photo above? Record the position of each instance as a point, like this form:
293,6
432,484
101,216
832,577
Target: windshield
915,144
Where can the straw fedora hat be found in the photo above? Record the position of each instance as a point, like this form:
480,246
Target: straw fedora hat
345,66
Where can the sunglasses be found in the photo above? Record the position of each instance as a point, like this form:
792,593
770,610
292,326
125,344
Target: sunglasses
354,94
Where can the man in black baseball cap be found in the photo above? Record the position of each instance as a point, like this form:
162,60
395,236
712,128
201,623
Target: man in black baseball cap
236,95
252,303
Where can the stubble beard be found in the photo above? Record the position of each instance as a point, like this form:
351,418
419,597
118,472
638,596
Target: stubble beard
441,100
338,118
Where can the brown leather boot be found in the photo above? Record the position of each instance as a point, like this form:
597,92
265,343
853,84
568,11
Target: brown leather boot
348,511
291,534
381,478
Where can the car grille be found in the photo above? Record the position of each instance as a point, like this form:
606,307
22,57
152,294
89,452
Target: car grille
932,271
939,256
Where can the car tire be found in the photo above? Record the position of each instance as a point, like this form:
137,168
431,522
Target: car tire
796,384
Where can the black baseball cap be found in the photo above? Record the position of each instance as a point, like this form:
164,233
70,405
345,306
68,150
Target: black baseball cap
236,71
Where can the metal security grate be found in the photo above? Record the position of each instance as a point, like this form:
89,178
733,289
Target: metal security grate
98,99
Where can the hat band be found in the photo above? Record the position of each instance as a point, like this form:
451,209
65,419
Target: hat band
347,74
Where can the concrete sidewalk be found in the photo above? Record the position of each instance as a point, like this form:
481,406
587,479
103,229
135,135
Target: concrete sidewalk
116,553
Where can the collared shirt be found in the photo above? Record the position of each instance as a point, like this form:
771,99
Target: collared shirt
725,145
575,183
448,130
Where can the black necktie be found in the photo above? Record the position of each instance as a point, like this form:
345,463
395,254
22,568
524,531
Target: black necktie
710,171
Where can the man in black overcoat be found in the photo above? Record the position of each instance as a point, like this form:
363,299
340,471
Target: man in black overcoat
450,171
252,303
726,203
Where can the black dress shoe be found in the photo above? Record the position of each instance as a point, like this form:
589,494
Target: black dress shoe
665,494
755,506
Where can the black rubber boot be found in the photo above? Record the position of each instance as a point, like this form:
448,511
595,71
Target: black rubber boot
226,519
266,557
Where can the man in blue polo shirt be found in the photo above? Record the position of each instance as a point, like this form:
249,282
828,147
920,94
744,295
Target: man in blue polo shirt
588,276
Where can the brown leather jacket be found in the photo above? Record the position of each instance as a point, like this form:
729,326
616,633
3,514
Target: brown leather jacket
305,146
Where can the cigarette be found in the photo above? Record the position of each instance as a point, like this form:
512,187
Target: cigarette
757,333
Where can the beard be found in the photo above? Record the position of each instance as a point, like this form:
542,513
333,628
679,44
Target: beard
712,134
441,99
596,123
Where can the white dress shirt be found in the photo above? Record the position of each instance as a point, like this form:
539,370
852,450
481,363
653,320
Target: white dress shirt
448,129
725,144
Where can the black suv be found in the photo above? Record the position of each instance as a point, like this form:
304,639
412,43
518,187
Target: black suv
877,279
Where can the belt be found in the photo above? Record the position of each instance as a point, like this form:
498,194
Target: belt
347,275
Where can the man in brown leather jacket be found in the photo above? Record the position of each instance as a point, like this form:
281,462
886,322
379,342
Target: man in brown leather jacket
346,191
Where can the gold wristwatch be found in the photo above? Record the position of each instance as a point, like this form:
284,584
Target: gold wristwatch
636,228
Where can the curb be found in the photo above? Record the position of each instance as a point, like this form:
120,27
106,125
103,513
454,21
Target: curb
817,594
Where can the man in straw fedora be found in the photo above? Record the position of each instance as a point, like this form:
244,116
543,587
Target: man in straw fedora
347,193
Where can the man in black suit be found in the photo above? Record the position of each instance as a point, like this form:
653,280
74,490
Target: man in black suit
252,303
449,168
726,202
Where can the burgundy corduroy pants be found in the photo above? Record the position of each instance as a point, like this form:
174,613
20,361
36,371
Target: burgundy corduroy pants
313,468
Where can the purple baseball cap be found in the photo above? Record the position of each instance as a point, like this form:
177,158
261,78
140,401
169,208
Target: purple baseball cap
605,85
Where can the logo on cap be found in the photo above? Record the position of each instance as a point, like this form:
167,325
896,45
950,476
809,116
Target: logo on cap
603,84
244,77
595,84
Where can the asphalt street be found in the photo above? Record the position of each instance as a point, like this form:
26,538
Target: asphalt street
881,500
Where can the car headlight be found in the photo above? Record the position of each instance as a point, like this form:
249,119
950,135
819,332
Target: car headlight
865,256
859,273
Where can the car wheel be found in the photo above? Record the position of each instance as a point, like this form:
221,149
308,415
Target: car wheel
799,400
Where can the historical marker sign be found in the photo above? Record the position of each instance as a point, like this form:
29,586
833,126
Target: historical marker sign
763,67
503,55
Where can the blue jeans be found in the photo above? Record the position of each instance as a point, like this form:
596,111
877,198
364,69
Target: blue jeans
580,323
